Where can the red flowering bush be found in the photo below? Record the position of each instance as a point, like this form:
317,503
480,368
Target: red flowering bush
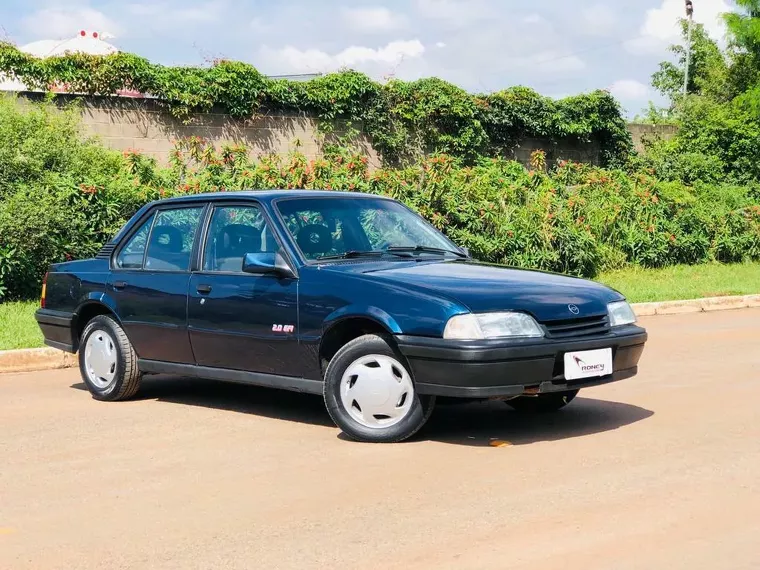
62,198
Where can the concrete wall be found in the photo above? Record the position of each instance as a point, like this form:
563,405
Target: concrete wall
642,132
143,125
561,150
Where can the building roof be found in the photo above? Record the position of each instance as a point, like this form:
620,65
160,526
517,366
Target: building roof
84,42
89,42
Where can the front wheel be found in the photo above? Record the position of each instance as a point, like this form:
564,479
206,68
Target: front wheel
370,395
543,403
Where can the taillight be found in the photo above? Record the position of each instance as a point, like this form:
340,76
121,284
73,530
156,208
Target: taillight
44,291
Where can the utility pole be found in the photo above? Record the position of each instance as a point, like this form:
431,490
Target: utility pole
690,16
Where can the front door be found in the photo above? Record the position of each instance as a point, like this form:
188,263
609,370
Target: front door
149,284
237,320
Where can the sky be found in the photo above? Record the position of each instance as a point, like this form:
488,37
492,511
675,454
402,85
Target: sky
559,48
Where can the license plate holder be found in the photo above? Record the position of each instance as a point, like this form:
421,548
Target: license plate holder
588,364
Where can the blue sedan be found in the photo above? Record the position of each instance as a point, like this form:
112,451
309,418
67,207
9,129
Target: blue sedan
351,296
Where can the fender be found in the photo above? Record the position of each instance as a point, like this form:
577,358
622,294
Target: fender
361,311
98,298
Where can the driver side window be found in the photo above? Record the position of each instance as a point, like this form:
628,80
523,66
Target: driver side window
233,232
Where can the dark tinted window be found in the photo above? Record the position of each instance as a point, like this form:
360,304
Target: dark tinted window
171,239
131,256
233,232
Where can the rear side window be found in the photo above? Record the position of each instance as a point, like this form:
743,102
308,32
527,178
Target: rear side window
131,256
171,239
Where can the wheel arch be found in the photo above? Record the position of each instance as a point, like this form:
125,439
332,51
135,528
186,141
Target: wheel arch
343,330
85,313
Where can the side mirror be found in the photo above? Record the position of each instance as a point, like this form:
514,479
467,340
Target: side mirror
266,263
466,251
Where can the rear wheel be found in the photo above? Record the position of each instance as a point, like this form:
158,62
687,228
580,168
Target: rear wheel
543,403
107,361
370,395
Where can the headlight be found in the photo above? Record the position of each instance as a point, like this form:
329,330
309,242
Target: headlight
491,325
620,313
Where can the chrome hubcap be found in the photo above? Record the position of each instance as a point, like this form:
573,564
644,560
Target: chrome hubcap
100,359
377,391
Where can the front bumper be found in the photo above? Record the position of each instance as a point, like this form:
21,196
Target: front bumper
508,368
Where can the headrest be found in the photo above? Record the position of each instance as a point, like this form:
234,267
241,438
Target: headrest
167,238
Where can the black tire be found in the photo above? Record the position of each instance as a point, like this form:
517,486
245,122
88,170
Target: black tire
543,403
419,412
127,376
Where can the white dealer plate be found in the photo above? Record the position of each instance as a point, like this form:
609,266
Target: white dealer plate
588,364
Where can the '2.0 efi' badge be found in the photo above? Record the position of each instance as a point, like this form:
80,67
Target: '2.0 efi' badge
574,309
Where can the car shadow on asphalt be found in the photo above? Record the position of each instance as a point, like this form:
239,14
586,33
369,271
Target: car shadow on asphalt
473,424
241,398
490,422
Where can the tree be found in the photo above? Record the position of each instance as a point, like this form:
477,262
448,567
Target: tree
708,68
743,27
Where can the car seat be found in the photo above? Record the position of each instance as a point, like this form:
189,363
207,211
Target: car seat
165,250
233,242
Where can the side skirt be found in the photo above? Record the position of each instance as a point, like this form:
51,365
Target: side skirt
226,375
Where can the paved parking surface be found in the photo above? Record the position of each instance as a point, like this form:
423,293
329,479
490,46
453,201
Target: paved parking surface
661,471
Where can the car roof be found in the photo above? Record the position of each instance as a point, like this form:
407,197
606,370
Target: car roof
264,195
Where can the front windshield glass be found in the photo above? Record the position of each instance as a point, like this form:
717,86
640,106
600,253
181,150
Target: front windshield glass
326,227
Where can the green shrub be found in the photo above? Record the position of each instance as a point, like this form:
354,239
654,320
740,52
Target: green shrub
62,197
404,119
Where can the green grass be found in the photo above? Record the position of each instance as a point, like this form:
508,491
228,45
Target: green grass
685,281
18,329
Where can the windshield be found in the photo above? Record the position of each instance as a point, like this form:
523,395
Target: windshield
326,227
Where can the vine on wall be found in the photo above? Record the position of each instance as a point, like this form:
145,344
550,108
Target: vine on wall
404,119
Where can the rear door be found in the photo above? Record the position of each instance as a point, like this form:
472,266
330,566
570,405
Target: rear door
237,320
149,282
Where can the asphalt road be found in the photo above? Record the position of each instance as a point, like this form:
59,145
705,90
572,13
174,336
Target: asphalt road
661,471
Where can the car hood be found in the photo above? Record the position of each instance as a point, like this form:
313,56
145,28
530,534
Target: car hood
484,287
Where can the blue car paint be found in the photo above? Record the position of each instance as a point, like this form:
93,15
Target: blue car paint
161,311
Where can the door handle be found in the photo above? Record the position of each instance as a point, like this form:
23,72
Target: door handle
119,284
203,289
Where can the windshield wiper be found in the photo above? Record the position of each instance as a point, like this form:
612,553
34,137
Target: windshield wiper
352,254
424,249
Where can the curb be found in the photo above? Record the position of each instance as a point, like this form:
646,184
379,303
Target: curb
33,359
36,359
705,305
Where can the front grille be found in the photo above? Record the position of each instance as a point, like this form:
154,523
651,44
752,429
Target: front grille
106,251
571,328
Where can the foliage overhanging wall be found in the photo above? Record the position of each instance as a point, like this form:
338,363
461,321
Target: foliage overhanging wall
404,119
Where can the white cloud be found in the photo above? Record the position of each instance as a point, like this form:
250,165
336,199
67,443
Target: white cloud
533,19
258,25
551,61
440,44
630,90
456,12
598,20
661,27
63,23
314,60
163,15
373,19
